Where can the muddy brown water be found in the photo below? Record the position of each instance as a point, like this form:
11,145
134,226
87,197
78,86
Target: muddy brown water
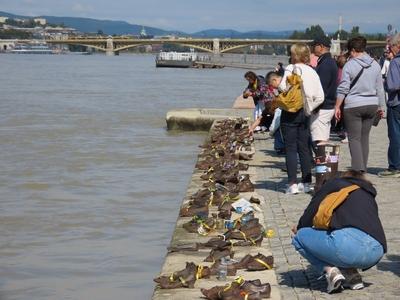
91,181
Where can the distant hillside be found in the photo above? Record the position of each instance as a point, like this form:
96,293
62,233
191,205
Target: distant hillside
229,33
107,26
88,25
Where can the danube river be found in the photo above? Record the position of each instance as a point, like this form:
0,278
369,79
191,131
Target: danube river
91,181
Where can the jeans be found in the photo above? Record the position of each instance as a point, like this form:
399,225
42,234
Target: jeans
296,137
393,123
358,122
258,110
345,248
278,140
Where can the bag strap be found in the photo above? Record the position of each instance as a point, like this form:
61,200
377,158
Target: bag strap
353,83
296,70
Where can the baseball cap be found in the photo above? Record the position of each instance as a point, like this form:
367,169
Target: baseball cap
323,40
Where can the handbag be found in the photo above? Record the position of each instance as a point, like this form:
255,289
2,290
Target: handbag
292,99
377,118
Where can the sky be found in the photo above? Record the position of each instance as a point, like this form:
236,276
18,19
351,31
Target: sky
242,15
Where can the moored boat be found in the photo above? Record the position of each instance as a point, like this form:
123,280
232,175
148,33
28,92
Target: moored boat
176,59
32,49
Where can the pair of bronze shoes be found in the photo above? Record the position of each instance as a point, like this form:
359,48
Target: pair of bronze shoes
185,278
193,210
251,232
200,225
239,289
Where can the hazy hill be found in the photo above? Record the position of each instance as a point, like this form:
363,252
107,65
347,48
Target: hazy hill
88,25
229,33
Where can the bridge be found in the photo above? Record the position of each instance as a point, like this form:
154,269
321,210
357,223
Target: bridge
113,45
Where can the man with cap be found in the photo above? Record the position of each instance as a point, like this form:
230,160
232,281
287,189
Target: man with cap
327,71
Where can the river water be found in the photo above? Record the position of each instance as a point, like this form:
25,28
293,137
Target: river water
91,181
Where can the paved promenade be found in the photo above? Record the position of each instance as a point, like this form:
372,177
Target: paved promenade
296,280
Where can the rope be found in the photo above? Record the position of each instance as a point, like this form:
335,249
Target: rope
263,263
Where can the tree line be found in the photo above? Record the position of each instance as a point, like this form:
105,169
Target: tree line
315,31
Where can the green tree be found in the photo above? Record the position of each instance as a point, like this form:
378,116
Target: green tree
355,31
312,32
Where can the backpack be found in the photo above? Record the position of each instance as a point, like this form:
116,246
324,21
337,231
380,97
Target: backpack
322,218
292,99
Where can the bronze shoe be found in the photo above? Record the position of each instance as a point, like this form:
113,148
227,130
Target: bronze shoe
217,254
261,262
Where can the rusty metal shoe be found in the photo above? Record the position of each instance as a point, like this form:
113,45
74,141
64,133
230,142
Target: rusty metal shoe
190,211
183,278
217,254
256,241
193,226
255,286
245,185
183,247
215,243
213,293
261,262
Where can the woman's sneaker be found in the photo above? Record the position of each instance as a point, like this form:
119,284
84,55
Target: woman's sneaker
292,189
389,173
335,280
353,279
304,188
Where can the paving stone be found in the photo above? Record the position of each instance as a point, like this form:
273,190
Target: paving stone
286,210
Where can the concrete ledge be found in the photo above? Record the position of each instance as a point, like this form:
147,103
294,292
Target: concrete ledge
195,119
242,103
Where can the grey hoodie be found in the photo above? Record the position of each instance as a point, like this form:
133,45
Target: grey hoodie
369,88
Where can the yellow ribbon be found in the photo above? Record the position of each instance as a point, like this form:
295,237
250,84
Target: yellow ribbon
199,271
244,235
239,280
211,199
171,278
227,288
182,280
263,263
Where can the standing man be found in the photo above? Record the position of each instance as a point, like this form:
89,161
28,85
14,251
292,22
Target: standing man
327,71
393,110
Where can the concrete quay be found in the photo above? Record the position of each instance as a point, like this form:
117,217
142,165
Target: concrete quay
201,119
292,276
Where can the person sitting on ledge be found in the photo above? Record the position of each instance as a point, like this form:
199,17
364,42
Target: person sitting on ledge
354,238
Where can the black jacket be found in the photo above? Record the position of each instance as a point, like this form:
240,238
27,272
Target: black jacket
359,210
328,71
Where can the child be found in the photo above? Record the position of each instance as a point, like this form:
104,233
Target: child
274,79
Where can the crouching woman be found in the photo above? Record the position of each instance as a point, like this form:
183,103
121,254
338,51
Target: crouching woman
352,237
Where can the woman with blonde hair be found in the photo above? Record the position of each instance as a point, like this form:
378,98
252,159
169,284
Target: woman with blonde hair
295,126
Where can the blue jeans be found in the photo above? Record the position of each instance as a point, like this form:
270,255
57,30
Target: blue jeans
258,110
393,123
345,248
278,140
